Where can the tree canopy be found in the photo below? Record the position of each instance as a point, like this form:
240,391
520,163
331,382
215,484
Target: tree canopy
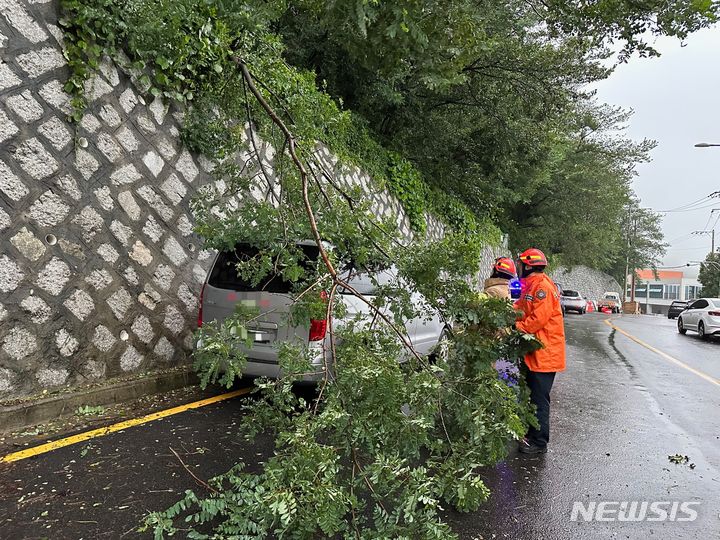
709,275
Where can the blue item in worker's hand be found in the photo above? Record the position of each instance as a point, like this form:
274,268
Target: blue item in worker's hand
515,288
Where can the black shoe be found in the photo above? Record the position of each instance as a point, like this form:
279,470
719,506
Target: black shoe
526,447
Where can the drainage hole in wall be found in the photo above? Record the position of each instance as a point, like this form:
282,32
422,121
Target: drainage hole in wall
50,239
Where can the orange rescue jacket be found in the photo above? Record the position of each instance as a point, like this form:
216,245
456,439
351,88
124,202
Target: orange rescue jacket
542,316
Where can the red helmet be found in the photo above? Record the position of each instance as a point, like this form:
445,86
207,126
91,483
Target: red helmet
533,257
505,265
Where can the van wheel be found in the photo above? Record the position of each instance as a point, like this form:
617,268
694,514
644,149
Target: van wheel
681,326
441,350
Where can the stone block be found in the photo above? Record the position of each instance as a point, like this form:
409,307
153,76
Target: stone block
186,166
110,149
174,251
10,274
110,116
49,210
103,338
54,276
127,139
10,184
155,202
128,203
8,79
7,380
158,109
187,297
37,309
142,328
104,197
130,359
164,349
174,189
96,87
66,343
145,124
165,147
85,163
19,19
108,253
90,123
153,162
90,222
19,343
108,70
35,160
99,279
125,175
80,304
120,303
153,229
71,248
50,377
7,128
55,132
54,95
25,106
184,225
4,220
39,61
128,100
28,244
131,276
141,254
163,276
174,320
122,232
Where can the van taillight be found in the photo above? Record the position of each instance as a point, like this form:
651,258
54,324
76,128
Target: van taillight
318,327
200,313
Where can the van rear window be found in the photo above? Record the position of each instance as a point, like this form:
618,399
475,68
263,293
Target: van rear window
224,274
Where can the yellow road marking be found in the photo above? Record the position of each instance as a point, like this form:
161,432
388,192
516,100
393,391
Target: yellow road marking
683,365
100,432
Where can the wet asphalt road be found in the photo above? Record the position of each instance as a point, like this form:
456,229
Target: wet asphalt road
618,412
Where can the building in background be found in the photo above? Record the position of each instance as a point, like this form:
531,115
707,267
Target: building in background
665,286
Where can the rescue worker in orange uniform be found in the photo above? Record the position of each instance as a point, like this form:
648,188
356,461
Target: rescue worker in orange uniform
542,316
498,284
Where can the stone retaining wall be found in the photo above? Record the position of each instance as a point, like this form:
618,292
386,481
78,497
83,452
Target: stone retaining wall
99,267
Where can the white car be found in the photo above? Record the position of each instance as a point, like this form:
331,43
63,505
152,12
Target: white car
701,316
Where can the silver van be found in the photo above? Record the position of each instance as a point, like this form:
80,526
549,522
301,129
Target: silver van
224,289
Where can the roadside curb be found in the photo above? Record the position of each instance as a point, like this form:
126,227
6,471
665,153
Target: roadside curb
39,411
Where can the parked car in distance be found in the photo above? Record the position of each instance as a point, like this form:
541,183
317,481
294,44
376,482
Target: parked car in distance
224,289
676,308
701,316
611,301
572,301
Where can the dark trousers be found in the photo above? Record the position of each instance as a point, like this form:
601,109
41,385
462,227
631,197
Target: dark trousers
540,385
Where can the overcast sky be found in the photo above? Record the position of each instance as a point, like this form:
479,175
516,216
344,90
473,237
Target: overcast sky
676,99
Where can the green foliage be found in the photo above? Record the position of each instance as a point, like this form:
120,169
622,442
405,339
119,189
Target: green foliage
408,186
641,242
89,410
709,275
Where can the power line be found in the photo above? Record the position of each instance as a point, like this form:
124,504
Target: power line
692,206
